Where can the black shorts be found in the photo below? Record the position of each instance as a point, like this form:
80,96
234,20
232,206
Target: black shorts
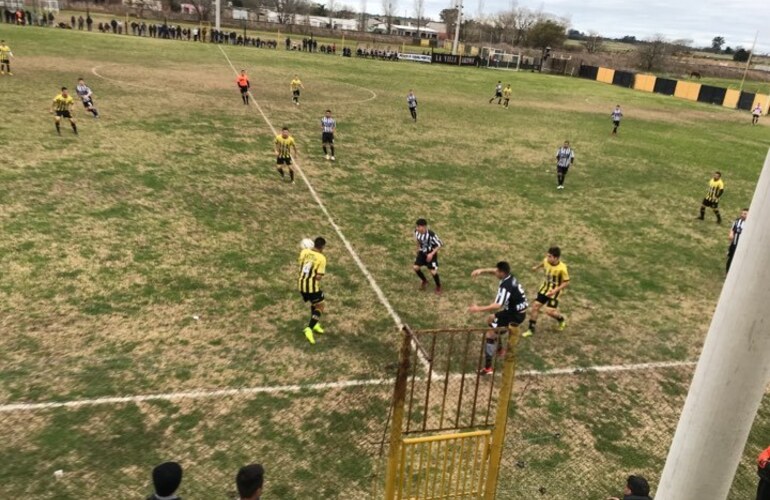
64,114
422,260
295,93
313,297
508,318
710,204
88,103
616,123
243,89
562,170
498,94
327,137
548,301
283,161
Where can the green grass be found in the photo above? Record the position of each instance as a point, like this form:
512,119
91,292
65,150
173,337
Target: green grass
168,208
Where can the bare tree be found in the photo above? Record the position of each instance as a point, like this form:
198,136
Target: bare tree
203,9
652,53
389,9
523,20
286,10
332,9
593,42
363,15
419,13
505,26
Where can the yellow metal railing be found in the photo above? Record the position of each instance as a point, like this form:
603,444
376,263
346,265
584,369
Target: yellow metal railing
443,467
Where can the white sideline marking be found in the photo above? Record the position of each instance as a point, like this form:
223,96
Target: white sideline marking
377,290
249,391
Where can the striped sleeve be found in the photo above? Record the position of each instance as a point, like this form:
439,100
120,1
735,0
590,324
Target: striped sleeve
435,241
502,296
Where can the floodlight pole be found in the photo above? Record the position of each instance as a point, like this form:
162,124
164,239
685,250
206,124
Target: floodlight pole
218,14
457,27
732,373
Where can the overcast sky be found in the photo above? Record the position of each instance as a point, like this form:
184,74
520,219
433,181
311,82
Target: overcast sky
698,20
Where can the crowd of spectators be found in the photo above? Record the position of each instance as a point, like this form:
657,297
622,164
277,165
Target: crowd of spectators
194,34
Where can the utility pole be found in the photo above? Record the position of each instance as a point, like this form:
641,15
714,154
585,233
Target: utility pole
457,27
748,61
218,14
732,373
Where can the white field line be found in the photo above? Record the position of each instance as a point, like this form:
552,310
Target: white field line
250,391
372,96
356,258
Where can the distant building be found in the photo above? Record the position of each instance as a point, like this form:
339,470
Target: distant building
155,5
314,21
408,30
440,28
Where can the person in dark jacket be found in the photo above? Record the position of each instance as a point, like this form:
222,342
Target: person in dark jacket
166,479
637,488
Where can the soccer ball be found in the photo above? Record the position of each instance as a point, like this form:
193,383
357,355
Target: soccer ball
306,243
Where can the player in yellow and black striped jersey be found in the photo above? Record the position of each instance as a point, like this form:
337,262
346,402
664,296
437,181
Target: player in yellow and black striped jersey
556,280
62,108
284,148
312,268
296,86
715,192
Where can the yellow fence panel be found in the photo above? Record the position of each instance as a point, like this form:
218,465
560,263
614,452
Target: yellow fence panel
605,75
762,100
645,83
687,90
449,466
731,99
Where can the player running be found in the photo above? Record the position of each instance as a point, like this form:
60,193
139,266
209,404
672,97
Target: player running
507,91
616,115
755,114
62,108
508,310
714,193
244,85
284,146
5,58
498,93
565,158
312,268
428,245
87,96
556,280
328,128
296,86
735,236
411,102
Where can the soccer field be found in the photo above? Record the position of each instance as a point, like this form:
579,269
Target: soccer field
168,209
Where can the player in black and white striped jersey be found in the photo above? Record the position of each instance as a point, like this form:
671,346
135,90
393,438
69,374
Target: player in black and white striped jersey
565,158
508,310
735,236
428,245
616,115
411,102
328,128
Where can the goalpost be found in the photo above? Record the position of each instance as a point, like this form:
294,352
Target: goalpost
499,59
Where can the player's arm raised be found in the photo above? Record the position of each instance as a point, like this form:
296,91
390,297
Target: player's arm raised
483,270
